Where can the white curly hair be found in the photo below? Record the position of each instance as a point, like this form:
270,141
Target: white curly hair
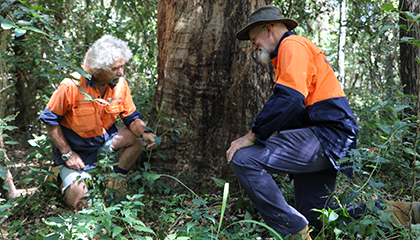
104,53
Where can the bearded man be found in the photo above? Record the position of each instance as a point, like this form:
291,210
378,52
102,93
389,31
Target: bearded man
303,129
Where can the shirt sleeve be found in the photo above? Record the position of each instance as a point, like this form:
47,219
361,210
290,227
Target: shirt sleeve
57,107
130,112
293,65
284,105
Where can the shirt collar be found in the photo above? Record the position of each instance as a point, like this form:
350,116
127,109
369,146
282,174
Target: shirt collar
91,83
276,51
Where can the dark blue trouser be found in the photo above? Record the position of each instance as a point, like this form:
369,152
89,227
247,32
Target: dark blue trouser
297,152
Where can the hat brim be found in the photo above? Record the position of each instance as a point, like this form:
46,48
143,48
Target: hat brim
243,33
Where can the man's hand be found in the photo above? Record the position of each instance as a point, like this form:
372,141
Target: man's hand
75,162
245,141
150,138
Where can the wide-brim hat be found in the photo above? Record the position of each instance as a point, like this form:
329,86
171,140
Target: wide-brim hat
265,14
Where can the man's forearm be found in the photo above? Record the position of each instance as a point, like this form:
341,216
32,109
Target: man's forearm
138,127
57,137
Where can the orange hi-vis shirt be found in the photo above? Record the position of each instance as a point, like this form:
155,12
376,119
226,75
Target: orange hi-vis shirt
318,82
307,94
89,118
86,122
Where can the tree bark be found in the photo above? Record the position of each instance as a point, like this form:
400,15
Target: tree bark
409,68
208,80
342,43
3,71
3,95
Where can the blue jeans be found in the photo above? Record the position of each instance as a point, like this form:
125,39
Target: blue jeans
297,152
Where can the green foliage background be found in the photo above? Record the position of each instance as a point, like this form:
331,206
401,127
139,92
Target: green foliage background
46,41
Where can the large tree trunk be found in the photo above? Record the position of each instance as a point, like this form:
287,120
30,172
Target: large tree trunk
25,88
409,68
208,80
342,43
4,95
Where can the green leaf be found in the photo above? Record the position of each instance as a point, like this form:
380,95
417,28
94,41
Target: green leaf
171,236
10,128
411,151
34,29
337,231
36,15
375,107
7,187
174,138
117,231
80,88
416,17
398,125
386,27
52,236
162,156
27,180
248,216
409,14
23,2
385,128
80,71
219,182
189,226
5,207
406,39
400,108
61,62
22,22
351,197
36,8
143,229
3,172
384,216
2,214
7,24
376,184
387,6
332,216
225,196
67,49
153,176
272,231
158,140
11,143
367,222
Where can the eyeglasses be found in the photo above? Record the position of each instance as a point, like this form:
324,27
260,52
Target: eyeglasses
255,35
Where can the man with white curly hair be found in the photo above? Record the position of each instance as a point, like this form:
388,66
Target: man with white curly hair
80,119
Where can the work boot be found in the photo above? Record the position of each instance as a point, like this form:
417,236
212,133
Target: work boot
304,233
400,213
119,183
53,179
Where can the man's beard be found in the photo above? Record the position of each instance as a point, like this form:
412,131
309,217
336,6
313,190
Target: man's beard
115,80
263,55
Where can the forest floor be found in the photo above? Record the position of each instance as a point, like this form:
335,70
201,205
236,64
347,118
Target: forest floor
26,215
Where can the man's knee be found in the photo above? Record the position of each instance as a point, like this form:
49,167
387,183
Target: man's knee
240,156
74,194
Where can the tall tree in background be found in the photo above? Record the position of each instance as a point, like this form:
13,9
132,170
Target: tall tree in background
342,42
208,80
409,67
